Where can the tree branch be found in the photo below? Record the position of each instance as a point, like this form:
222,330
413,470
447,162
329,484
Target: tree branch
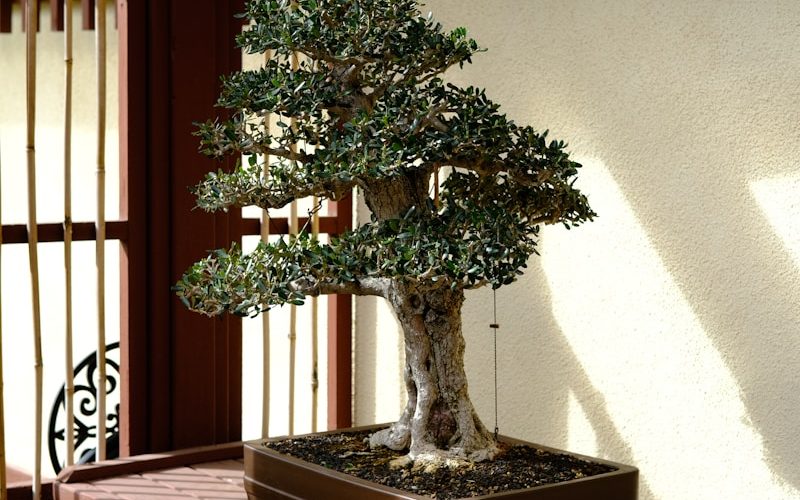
309,285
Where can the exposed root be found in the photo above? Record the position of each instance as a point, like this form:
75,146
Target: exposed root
397,437
430,462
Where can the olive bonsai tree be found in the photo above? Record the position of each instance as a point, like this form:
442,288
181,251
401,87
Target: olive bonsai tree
366,108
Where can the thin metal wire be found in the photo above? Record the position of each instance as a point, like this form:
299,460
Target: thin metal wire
32,15
69,387
495,326
100,33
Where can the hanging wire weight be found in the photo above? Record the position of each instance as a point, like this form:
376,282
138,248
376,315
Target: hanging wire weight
494,326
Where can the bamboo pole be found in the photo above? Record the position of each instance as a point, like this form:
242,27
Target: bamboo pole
315,314
100,34
31,13
265,372
314,332
3,492
69,387
293,229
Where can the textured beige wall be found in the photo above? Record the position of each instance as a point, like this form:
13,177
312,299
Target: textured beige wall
667,333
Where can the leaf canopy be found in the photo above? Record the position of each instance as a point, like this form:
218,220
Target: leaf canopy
365,106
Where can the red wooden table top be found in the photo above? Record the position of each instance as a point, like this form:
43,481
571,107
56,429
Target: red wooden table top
212,473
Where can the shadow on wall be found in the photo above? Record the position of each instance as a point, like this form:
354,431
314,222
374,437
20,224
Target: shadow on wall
690,292
544,393
641,344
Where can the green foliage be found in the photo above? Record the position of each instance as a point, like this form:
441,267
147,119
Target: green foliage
366,105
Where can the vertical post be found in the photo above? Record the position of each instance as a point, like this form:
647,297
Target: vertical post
57,10
340,344
69,387
182,371
31,17
88,9
5,16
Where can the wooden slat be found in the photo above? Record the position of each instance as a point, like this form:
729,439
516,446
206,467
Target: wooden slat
340,342
183,375
280,225
57,15
88,9
154,461
22,490
5,16
51,232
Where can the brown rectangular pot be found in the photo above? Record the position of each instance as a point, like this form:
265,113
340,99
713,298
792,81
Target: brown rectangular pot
271,475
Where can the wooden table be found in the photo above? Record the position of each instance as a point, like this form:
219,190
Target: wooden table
213,473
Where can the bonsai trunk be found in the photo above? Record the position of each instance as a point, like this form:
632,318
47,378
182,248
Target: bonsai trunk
439,423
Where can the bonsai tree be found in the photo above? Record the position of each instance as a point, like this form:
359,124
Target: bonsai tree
366,107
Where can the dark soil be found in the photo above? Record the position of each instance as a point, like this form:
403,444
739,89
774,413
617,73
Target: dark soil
517,467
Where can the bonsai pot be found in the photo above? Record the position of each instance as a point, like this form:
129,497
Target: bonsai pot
273,475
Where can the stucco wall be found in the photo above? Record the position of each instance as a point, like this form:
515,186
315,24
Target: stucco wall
667,333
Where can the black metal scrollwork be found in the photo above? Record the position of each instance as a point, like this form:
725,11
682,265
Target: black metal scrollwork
85,404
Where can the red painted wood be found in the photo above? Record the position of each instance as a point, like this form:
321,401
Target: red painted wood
23,491
152,462
340,343
87,9
327,224
182,371
57,15
137,406
5,16
210,377
81,231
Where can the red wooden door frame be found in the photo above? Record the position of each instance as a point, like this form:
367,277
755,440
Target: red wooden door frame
181,372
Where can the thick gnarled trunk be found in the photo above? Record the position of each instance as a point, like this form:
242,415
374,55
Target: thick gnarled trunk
439,422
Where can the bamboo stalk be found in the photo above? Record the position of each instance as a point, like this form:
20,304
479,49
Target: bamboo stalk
315,311
100,33
265,372
314,333
31,12
3,492
69,387
293,229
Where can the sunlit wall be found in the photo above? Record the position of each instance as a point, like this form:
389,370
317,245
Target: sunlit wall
667,333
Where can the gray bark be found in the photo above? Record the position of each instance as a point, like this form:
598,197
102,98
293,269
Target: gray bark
439,422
